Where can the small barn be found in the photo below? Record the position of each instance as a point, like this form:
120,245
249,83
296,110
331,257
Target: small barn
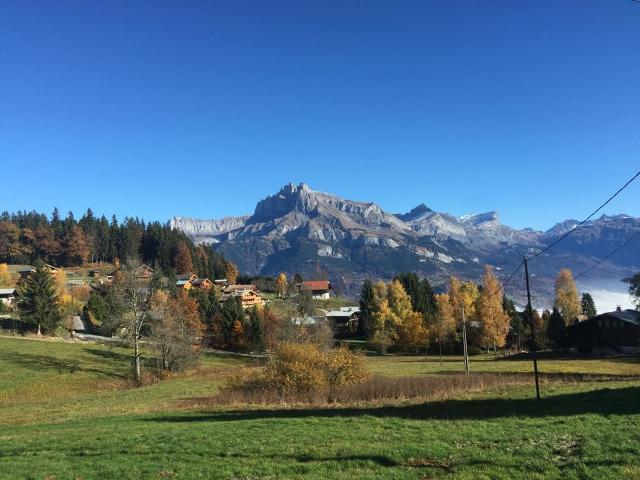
617,331
8,295
344,321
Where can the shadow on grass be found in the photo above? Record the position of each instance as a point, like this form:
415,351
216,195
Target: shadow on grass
563,355
109,355
623,401
46,362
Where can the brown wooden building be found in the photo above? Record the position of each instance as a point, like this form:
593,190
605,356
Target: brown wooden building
618,331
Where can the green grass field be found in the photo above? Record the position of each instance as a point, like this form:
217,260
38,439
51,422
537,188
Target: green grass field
66,412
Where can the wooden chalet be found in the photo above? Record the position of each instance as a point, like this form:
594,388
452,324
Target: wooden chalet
319,289
202,283
184,281
143,272
249,295
617,331
187,282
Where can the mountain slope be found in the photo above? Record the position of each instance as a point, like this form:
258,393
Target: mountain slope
319,234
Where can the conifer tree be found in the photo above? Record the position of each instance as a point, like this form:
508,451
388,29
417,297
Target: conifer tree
256,335
367,298
39,304
588,305
634,288
556,327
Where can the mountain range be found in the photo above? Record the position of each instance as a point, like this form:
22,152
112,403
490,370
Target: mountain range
322,235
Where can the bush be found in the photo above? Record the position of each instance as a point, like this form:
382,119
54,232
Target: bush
299,368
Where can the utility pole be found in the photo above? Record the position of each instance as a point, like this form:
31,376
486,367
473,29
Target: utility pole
464,343
534,345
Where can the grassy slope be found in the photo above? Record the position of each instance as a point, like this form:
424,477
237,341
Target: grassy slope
79,422
410,365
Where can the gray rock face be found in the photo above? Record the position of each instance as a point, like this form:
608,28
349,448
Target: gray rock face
206,231
315,233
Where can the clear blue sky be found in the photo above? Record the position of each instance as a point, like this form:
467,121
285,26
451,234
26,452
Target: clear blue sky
160,108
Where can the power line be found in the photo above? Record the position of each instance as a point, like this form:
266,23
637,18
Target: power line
566,234
627,241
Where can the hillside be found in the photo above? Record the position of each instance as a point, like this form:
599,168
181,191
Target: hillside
66,412
319,234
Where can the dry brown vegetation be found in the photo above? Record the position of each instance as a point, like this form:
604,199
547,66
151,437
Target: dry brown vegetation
375,390
381,390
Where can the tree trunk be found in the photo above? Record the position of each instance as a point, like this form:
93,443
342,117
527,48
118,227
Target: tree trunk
39,332
440,347
136,361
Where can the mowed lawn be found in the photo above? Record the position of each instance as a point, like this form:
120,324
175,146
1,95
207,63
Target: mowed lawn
66,413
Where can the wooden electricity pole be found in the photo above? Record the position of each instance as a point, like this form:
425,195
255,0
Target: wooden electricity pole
464,343
534,343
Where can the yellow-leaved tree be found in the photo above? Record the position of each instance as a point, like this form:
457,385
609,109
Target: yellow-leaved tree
231,272
5,275
61,281
282,284
412,333
494,320
444,324
463,295
567,299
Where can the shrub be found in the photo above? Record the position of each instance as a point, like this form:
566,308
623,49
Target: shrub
299,368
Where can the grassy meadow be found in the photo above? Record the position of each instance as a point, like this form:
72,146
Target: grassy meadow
67,411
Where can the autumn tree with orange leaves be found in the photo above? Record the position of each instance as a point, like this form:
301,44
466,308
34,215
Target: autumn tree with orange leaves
493,319
177,330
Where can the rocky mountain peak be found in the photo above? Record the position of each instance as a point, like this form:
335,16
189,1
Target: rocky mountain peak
415,213
481,219
290,198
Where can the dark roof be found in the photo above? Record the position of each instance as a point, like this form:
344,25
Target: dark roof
631,316
187,276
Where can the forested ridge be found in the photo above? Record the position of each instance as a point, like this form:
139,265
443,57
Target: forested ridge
67,242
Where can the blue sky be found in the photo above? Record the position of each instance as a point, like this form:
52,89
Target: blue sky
160,108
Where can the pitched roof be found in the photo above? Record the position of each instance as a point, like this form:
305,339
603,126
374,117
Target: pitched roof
188,276
342,313
315,285
239,288
631,316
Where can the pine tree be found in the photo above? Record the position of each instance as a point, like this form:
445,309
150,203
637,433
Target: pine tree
256,335
233,320
556,328
39,304
634,288
588,305
367,298
422,297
